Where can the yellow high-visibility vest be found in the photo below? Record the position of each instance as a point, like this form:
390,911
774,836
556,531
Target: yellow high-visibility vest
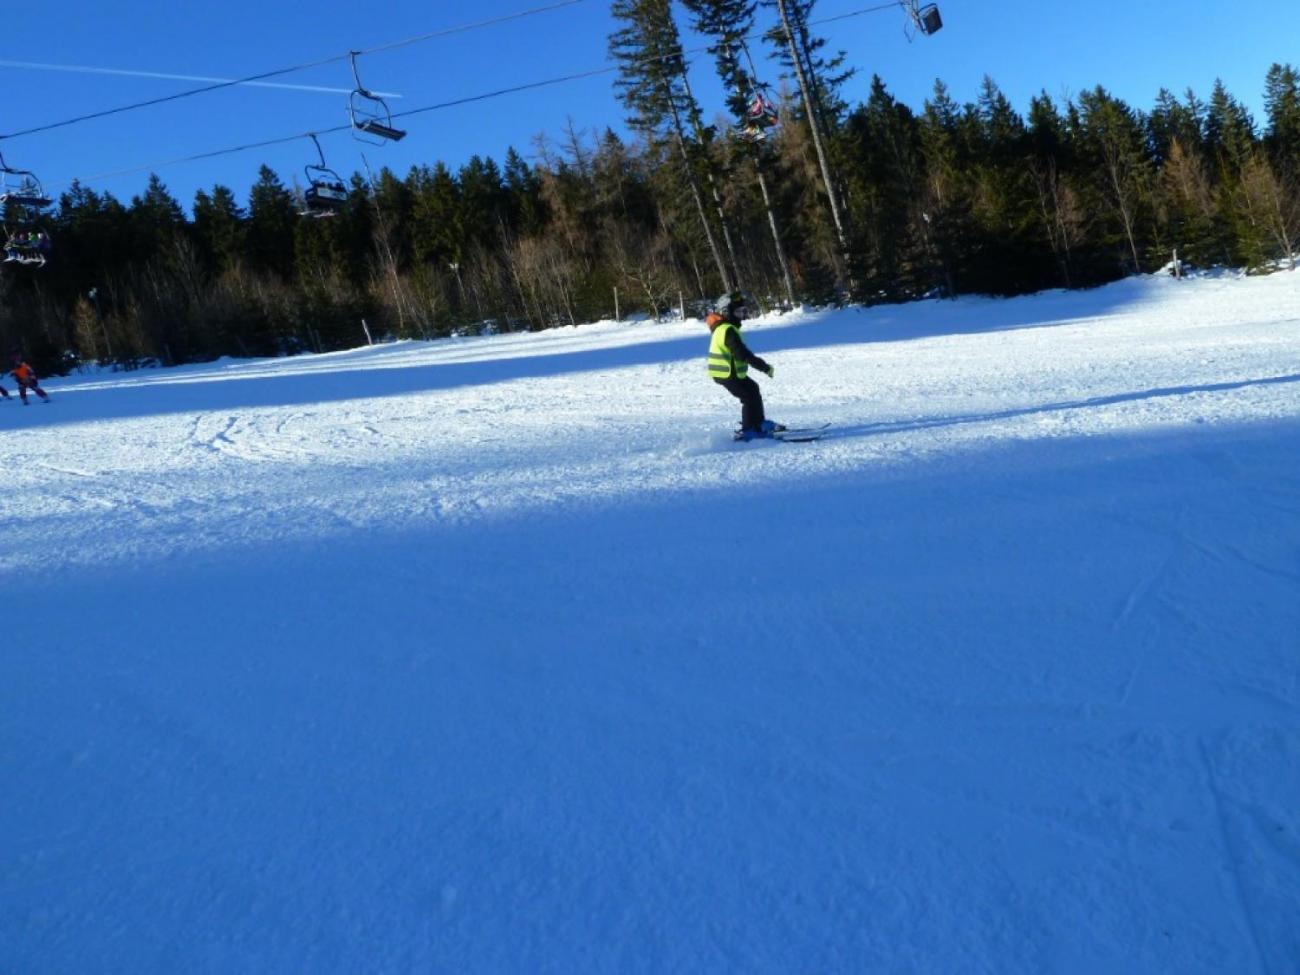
722,364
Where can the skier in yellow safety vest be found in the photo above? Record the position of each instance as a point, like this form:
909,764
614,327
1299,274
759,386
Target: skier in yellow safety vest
729,362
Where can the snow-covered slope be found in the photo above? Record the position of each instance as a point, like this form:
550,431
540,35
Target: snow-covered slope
497,655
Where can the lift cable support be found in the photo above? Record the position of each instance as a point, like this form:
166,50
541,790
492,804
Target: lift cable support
372,122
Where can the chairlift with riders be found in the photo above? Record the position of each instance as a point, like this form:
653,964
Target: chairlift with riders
372,122
27,247
22,196
326,193
760,108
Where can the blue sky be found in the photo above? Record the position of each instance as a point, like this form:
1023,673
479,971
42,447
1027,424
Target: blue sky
1133,48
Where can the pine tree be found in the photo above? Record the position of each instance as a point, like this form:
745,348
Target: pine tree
883,191
156,219
89,231
818,86
485,207
727,23
1186,199
219,229
1229,132
943,201
1282,139
648,51
1002,197
437,237
1050,162
271,221
1231,142
1282,105
523,190
825,76
1114,138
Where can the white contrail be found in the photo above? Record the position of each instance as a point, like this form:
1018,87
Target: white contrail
88,69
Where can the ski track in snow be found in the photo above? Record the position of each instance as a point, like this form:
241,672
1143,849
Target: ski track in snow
499,655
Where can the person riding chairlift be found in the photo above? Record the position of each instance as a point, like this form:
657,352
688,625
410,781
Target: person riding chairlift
28,248
760,111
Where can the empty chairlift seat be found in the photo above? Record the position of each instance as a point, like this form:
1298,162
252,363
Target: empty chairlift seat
369,113
928,20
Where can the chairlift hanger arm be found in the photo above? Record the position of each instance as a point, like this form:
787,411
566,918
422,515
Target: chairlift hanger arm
356,75
319,151
7,170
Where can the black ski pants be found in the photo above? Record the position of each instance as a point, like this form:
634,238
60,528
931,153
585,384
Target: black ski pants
751,400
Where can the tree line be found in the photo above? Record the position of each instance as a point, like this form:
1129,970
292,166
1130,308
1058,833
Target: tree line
873,202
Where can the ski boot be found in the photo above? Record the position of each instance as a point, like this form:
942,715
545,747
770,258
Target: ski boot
765,431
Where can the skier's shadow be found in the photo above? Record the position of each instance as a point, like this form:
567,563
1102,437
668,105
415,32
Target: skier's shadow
926,423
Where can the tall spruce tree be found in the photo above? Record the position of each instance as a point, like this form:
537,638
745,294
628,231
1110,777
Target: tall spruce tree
883,194
1051,164
272,217
727,23
1282,139
523,190
1232,141
437,237
1116,145
944,213
1010,261
156,219
1173,121
818,87
648,51
1229,132
219,228
1282,106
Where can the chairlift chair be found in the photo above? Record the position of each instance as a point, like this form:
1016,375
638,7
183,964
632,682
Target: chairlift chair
925,18
760,108
28,192
760,115
27,247
370,114
326,193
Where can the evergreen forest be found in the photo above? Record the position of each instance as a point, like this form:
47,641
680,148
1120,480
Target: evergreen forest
836,202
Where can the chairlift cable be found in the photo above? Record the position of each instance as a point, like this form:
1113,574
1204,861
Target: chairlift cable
214,153
250,79
490,22
468,99
167,76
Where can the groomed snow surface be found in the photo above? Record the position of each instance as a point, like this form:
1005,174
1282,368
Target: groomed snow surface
497,655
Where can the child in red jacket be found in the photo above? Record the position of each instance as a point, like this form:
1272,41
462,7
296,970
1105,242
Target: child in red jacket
25,376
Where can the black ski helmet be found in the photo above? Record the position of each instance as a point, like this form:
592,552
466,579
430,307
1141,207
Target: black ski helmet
727,304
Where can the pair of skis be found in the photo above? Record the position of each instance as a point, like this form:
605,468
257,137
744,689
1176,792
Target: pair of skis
801,434
795,434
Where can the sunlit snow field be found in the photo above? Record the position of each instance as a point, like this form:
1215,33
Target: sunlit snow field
497,655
